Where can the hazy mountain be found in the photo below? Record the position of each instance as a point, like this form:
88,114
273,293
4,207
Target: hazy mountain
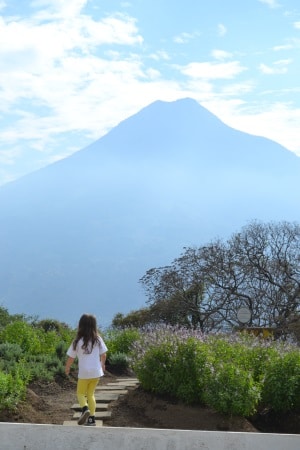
77,235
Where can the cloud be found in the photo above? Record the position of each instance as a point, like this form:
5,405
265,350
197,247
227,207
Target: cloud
160,55
297,25
68,78
271,3
56,78
278,67
184,38
221,55
271,122
222,30
58,8
45,62
278,48
208,70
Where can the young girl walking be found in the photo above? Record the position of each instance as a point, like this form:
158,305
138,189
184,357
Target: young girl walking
90,350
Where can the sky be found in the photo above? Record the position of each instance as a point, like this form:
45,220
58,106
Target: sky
71,70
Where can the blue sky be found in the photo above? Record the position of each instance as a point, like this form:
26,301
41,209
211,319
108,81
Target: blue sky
73,69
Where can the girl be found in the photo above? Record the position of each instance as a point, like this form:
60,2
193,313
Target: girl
90,350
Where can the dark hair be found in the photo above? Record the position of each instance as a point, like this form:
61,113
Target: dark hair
87,330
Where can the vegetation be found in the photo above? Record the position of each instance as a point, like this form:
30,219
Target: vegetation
235,374
185,343
29,350
257,268
119,344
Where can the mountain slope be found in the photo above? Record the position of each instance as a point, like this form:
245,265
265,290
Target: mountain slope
77,235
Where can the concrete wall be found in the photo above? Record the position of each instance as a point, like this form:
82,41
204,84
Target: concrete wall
57,437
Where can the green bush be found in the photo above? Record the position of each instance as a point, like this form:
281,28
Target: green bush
61,349
118,362
232,390
12,390
281,389
61,330
45,367
32,339
10,352
155,370
190,371
22,334
29,351
120,341
234,374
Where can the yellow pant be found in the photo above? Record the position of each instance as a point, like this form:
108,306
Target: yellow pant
86,393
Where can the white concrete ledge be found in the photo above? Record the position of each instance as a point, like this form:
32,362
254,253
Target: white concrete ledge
57,437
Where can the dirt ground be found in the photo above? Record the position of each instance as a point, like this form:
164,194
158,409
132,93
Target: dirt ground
51,403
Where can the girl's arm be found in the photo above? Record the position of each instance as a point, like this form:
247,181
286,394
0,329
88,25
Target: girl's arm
68,365
103,359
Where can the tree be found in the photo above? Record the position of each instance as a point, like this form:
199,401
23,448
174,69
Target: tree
258,267
176,293
136,319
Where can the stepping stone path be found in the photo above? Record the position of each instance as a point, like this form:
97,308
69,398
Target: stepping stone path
104,395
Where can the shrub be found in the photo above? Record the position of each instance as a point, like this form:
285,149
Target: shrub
190,371
281,390
61,350
232,373
120,341
232,390
23,334
156,368
10,352
12,390
118,362
45,367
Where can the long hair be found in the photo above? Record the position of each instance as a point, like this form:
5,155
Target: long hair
87,331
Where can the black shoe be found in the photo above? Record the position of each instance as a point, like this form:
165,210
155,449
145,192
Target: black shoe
91,422
84,415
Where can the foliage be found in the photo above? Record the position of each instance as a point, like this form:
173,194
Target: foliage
134,319
120,341
231,389
258,267
6,318
118,362
10,352
60,329
22,334
155,369
235,374
31,339
29,350
12,390
282,382
45,367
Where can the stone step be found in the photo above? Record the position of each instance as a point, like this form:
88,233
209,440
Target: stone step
103,397
99,406
98,415
124,385
72,423
109,387
111,391
128,379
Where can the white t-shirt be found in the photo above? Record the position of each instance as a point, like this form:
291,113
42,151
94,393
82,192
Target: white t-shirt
88,363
